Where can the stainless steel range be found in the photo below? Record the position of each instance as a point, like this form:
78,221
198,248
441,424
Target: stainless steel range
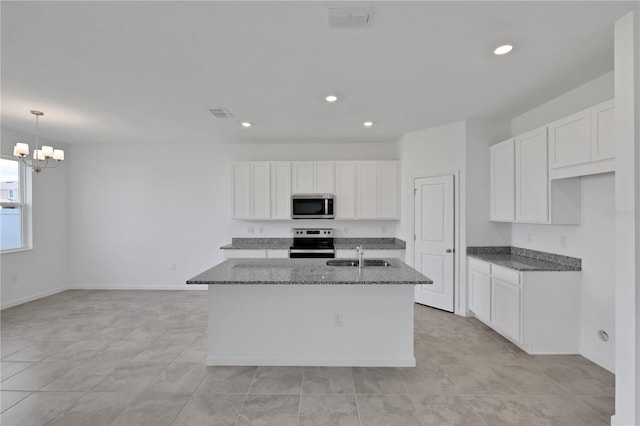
314,242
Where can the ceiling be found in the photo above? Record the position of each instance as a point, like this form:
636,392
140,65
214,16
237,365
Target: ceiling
148,72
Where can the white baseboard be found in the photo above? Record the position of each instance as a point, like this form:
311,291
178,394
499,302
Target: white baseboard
312,362
139,287
33,297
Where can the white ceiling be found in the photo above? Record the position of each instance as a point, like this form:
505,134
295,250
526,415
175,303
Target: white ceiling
148,72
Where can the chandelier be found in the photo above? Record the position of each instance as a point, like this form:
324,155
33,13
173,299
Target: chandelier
41,155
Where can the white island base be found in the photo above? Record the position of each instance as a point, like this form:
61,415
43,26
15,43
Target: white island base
311,325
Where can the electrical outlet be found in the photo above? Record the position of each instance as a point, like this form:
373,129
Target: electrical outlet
529,237
345,230
383,230
14,278
249,229
338,320
261,230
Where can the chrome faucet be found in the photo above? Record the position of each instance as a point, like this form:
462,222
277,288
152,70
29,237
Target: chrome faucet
359,253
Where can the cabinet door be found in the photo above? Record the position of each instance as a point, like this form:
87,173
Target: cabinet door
241,191
302,177
281,190
602,131
387,179
505,304
532,181
569,140
324,177
367,190
480,295
260,190
502,176
345,190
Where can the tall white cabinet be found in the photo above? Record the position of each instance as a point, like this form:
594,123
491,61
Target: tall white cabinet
281,190
251,195
532,180
503,181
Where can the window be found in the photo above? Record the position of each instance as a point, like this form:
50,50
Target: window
12,205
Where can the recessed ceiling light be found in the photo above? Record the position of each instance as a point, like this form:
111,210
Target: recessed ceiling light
501,50
246,124
367,123
331,98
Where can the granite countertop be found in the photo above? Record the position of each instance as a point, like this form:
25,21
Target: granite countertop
306,271
521,259
340,244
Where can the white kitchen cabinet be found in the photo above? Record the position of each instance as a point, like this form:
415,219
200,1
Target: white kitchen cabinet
583,143
244,253
520,189
531,177
569,141
480,289
505,307
313,177
603,131
345,189
537,310
377,190
281,190
251,197
502,181
255,253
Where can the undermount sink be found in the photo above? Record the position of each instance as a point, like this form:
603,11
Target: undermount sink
354,262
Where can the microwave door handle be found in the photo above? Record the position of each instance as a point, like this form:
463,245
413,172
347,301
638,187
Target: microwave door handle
326,206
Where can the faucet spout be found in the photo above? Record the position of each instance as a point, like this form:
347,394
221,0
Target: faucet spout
359,253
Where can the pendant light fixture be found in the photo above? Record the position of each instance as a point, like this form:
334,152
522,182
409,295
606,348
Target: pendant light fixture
41,155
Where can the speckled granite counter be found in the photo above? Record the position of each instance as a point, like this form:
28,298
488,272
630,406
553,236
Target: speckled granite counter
340,243
521,259
370,243
306,271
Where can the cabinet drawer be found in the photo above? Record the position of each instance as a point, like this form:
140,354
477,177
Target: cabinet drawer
479,266
505,274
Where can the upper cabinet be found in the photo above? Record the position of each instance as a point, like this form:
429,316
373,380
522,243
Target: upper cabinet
313,177
520,189
377,184
251,196
532,180
582,144
363,189
281,190
502,175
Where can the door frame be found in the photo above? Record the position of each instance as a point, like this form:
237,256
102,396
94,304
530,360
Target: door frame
459,301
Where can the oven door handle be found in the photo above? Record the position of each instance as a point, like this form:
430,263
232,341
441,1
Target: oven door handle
292,250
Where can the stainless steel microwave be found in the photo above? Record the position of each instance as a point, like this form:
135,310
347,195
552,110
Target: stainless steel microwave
312,206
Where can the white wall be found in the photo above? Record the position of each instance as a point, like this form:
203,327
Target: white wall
593,239
582,97
43,270
137,209
627,218
461,148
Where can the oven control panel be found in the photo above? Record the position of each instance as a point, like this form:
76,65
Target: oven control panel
313,232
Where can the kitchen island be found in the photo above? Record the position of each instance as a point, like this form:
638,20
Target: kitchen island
303,312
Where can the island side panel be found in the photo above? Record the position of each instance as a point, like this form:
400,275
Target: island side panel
311,325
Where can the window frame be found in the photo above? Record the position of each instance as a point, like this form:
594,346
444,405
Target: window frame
24,206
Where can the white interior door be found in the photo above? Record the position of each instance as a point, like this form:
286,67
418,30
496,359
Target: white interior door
433,240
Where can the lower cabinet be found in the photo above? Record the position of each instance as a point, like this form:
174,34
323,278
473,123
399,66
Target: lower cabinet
255,253
537,310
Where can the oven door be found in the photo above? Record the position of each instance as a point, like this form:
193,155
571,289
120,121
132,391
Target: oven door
297,253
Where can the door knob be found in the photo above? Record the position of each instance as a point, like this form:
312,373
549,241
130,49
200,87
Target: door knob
449,250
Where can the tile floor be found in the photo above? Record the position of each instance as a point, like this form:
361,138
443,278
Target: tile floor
137,358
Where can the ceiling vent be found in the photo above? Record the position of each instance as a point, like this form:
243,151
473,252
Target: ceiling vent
350,17
220,112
